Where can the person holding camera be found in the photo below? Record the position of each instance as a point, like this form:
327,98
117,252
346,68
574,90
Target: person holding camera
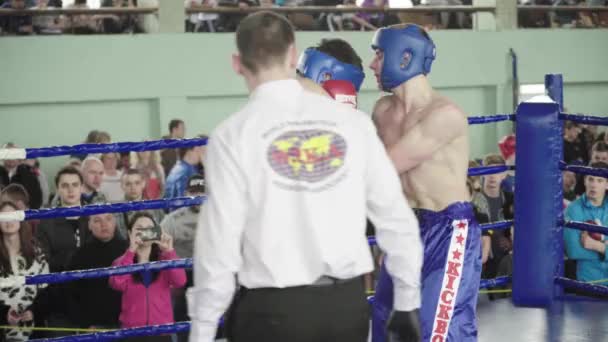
146,297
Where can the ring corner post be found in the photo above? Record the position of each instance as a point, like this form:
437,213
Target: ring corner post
538,203
554,84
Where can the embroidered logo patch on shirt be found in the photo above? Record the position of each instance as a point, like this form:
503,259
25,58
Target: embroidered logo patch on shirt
307,155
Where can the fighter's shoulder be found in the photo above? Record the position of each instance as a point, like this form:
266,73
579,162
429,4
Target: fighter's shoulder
446,106
383,105
448,112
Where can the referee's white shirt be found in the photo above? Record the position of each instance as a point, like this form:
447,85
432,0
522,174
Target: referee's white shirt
291,179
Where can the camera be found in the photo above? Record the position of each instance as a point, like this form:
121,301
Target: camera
150,234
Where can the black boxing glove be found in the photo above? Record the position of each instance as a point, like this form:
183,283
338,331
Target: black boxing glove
403,326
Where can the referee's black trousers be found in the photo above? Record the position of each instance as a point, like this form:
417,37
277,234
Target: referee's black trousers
322,313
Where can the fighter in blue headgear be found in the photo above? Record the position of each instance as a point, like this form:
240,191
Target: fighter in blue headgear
408,52
333,59
426,136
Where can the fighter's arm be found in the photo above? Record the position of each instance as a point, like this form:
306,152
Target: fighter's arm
420,142
397,230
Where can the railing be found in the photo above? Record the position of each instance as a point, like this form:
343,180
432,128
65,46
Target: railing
535,8
333,9
77,11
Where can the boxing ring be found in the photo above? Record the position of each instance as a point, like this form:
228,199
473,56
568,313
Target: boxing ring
538,310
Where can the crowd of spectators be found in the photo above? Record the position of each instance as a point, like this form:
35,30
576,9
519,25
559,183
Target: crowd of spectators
102,240
214,22
584,201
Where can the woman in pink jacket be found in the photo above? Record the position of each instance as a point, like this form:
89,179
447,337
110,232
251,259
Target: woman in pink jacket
151,305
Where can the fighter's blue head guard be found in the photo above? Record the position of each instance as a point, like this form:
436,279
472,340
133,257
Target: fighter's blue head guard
320,67
408,52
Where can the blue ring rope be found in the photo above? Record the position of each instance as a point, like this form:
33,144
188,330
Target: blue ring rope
488,170
586,227
94,209
64,277
154,145
506,224
584,170
123,333
477,120
500,281
56,151
585,119
573,284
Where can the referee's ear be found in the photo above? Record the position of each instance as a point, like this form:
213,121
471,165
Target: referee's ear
292,56
236,64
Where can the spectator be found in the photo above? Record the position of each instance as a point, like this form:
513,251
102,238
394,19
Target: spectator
16,25
599,153
110,184
586,139
507,150
490,201
47,24
446,16
535,18
4,179
190,161
34,164
21,173
375,19
118,23
486,241
147,305
475,180
75,163
19,256
349,21
177,130
81,23
133,185
589,249
572,147
148,164
201,22
565,19
94,303
16,194
60,238
148,23
92,173
569,184
94,137
181,226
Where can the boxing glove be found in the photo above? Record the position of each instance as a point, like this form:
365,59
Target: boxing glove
403,326
341,91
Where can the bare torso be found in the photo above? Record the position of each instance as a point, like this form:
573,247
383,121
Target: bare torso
440,179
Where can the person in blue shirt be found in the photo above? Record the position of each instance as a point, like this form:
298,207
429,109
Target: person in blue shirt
589,249
189,164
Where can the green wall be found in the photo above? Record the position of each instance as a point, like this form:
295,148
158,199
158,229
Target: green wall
53,90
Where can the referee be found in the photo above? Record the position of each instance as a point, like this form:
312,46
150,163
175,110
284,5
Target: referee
291,178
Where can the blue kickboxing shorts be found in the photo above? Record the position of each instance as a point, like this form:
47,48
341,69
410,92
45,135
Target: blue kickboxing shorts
450,277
